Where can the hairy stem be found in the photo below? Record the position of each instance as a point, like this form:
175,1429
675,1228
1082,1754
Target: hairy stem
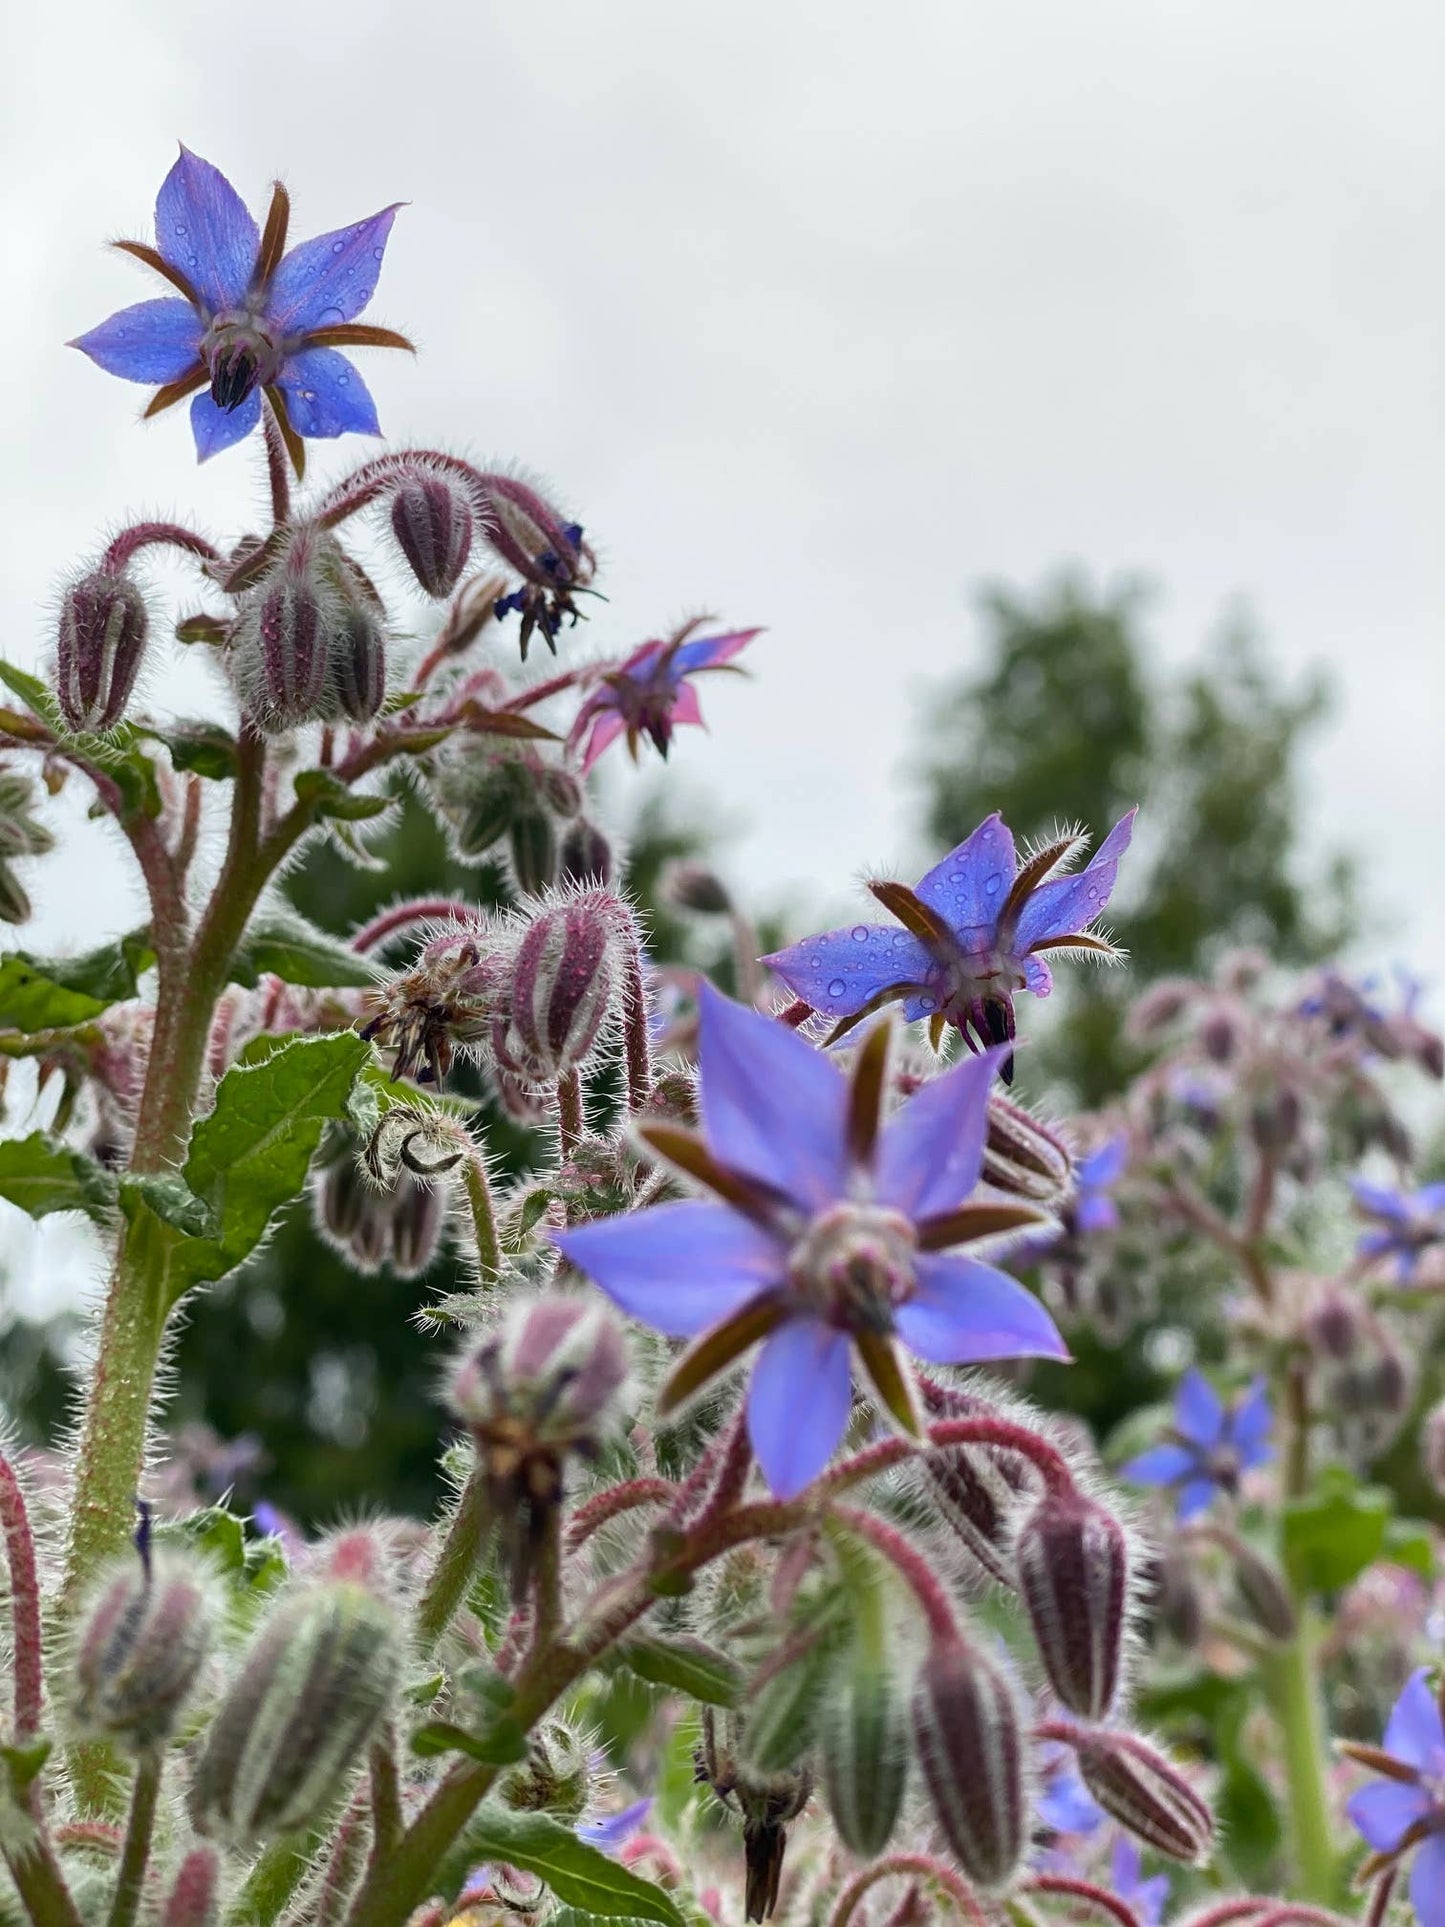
25,1637
455,1562
484,1220
130,1880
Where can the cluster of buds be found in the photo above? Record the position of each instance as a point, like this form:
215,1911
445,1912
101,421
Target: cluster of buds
309,643
448,1000
21,835
495,793
99,650
397,1225
546,1386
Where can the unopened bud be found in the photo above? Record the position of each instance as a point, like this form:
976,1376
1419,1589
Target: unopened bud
193,1898
307,1698
14,902
970,1746
978,1491
1144,1791
1432,1446
1177,1597
141,1648
1240,970
1275,1119
562,984
432,522
358,665
1023,1157
1333,1325
418,1214
288,671
532,844
554,1777
1263,1592
1219,1035
863,1745
1161,1007
103,625
692,886
1072,1558
584,855
532,536
559,791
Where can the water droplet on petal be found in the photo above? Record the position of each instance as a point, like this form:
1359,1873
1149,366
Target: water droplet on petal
928,1003
337,246
900,937
376,253
837,987
180,227
860,933
994,883
329,317
815,963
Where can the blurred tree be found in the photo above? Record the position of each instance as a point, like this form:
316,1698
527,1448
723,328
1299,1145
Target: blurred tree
1068,720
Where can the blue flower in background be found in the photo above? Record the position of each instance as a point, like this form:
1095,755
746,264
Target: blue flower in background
1064,1804
1095,1176
1404,1224
972,935
832,1231
1211,1447
1406,1807
649,694
614,1830
248,315
1146,1897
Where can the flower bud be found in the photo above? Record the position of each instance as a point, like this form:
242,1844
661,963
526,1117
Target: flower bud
554,1776
1333,1325
432,522
863,1746
1144,1791
562,983
1023,1157
584,855
970,1746
418,1214
548,553
141,1648
692,886
192,1900
14,902
1264,1593
102,639
1275,1118
358,665
1177,1596
307,1698
1072,1559
532,843
1432,1446
977,1492
291,638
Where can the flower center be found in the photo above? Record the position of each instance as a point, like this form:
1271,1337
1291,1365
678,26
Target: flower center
241,357
854,1266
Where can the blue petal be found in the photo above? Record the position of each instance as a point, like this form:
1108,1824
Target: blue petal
798,1402
1416,1733
773,1106
217,428
678,1267
614,1830
1198,1412
1380,1202
1385,1811
1150,1898
1104,1166
1060,908
330,279
969,887
842,970
325,396
1429,1200
1196,1496
1427,1882
204,228
707,652
962,1312
1249,1426
1160,1465
1065,1805
153,341
931,1151
1096,1212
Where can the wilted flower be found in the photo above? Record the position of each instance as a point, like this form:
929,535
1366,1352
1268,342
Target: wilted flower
253,317
546,550
832,1230
649,694
1211,1446
972,935
1406,1808
1405,1224
450,996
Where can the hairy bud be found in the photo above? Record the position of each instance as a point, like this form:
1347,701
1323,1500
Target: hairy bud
103,625
970,1746
1263,1592
1072,1559
863,1746
547,552
1144,1791
692,886
584,855
554,1776
1177,1597
141,1647
1161,1007
357,665
21,834
306,1700
432,522
563,978
1023,1157
532,845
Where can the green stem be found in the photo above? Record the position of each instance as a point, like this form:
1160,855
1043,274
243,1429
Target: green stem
1294,1692
484,1220
130,1880
455,1563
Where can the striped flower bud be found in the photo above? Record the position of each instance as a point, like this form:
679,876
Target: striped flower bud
357,665
566,969
432,522
307,1698
1263,1592
1144,1791
1072,1560
970,1745
584,855
977,1492
863,1749
141,1648
1023,1157
532,846
102,639
288,640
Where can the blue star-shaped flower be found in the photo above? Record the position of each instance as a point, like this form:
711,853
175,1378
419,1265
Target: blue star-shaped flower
834,1231
649,694
1404,1224
972,935
1212,1445
1406,1808
252,316
1127,1882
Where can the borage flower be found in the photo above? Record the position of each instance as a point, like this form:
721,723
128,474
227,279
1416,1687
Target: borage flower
253,317
1405,1224
649,694
1211,1446
1407,1808
972,935
833,1233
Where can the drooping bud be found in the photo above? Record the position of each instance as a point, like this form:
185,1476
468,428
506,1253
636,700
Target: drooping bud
554,1777
532,845
358,665
307,1698
103,625
970,1745
292,633
543,1386
692,886
1144,1791
21,834
1022,1156
418,1215
432,522
584,855
141,1648
566,969
1263,1591
863,1739
1332,1325
1177,1596
1072,1559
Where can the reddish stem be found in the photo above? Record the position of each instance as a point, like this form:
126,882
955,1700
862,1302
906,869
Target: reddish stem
1085,1890
27,1658
637,1043
148,535
1005,1436
611,1504
921,1866
570,1118
539,692
404,916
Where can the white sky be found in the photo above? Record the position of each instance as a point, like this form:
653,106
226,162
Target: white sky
816,315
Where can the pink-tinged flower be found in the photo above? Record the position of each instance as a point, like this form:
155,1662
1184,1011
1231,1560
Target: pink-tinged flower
1403,1224
832,1232
1211,1447
972,936
1405,1809
249,315
649,694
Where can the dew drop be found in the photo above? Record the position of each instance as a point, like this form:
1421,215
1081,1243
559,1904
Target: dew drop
900,937
815,963
837,987
994,884
928,1003
337,246
860,933
181,227
330,317
376,253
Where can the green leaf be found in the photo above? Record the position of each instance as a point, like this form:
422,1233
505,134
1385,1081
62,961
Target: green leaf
201,749
1408,1543
580,1875
1331,1536
328,797
171,1199
30,689
502,1744
288,948
42,1175
23,1762
686,1665
54,993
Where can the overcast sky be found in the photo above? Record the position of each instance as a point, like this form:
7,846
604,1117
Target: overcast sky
817,315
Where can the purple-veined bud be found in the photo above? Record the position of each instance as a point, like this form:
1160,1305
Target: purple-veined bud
141,1647
1022,1156
1146,1793
566,969
307,1697
358,665
103,624
292,633
977,1498
584,855
418,1214
533,537
432,522
692,886
1073,1565
1275,1118
558,791
970,1745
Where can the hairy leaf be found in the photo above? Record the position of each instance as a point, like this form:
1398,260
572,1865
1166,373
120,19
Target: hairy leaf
42,1175
580,1875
